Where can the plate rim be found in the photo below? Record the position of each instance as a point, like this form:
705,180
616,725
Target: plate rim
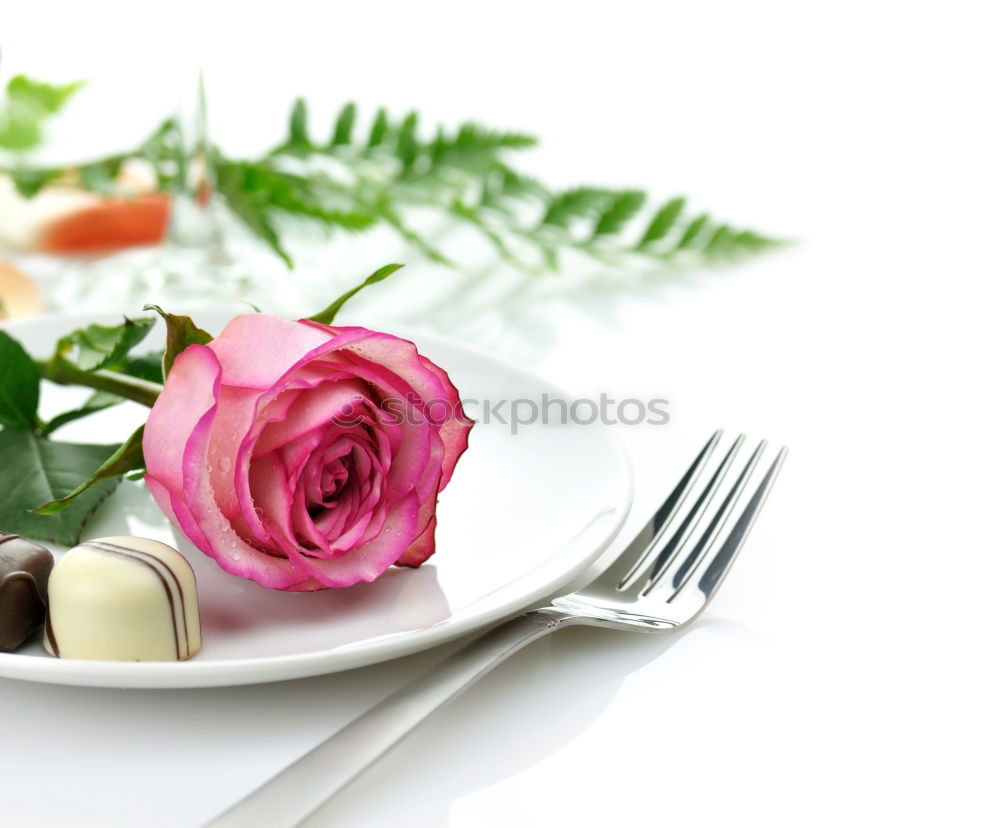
387,647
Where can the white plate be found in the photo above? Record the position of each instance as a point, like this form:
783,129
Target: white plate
523,515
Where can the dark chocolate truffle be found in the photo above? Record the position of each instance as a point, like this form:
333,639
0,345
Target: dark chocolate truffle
24,583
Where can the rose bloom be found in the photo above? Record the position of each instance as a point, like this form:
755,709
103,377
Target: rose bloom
304,456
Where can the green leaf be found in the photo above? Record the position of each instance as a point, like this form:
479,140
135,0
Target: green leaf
29,103
29,182
98,346
579,202
147,367
327,315
235,183
407,146
298,128
354,220
662,222
45,97
474,145
750,241
344,125
720,241
97,401
127,458
379,130
692,232
260,224
19,383
98,178
181,332
473,137
257,191
515,185
20,130
36,470
618,211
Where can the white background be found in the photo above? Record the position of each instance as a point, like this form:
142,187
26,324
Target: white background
846,675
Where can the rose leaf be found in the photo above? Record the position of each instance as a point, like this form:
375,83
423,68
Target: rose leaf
327,315
126,458
98,346
181,332
34,470
147,367
19,382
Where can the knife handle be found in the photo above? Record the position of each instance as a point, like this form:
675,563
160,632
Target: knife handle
296,792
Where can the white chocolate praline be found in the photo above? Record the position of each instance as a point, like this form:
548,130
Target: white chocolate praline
123,599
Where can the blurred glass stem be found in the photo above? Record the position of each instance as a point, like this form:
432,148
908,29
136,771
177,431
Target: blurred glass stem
194,264
193,221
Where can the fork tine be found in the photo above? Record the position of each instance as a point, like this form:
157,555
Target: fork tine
717,568
655,529
666,555
697,554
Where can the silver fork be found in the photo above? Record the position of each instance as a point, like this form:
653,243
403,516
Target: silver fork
662,581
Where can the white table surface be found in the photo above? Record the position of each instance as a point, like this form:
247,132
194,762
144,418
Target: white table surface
847,672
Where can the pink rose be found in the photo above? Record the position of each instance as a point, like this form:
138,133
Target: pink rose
304,456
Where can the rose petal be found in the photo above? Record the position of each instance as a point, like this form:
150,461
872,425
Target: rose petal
219,540
325,402
429,380
236,408
282,344
422,548
368,561
187,395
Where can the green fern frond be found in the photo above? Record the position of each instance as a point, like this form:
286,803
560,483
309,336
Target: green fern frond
618,212
464,173
662,222
379,130
298,142
692,232
407,145
343,127
579,202
518,186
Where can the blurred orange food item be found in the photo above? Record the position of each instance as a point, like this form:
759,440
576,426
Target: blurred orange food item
111,224
18,294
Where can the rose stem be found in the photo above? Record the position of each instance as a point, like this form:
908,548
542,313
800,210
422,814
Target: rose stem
131,388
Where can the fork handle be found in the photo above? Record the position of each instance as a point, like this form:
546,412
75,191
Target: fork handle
294,793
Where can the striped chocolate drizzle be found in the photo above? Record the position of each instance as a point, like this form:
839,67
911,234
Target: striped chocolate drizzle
50,637
171,587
